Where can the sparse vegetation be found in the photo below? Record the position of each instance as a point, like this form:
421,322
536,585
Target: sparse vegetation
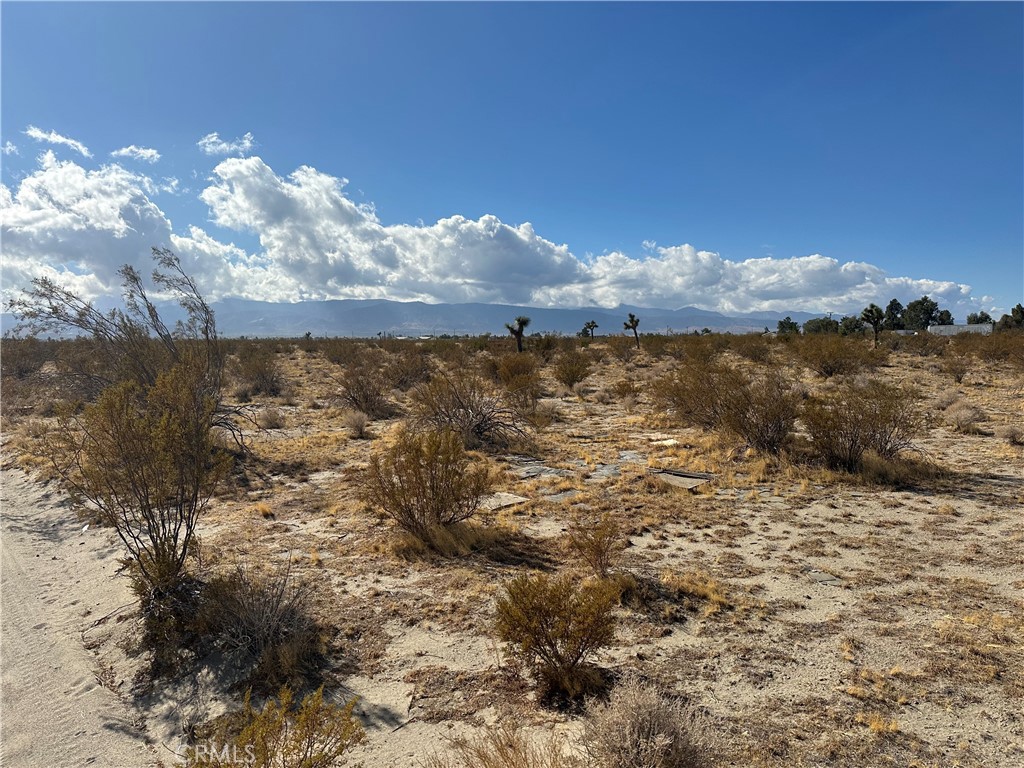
465,404
555,624
426,482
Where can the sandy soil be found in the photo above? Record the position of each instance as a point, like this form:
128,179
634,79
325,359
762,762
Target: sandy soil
57,581
860,624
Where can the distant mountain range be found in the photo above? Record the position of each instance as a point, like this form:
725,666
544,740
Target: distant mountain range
366,318
369,317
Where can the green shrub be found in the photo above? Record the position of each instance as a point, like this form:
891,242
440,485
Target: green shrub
315,735
520,375
857,416
256,371
555,624
426,483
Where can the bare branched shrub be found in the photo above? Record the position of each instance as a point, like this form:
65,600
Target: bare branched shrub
357,423
858,416
640,728
598,541
466,404
829,354
762,410
698,393
503,746
572,367
957,366
266,617
365,387
316,734
1012,433
426,482
946,398
555,624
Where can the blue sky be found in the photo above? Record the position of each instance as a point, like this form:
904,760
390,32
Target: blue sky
732,156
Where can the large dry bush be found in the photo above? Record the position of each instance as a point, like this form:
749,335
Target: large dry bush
755,347
466,404
858,416
408,367
316,734
365,386
698,392
145,461
426,482
520,376
640,728
830,355
256,371
762,410
555,624
572,367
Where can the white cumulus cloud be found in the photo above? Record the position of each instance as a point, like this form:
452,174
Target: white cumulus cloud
132,152
211,144
9,148
78,226
52,137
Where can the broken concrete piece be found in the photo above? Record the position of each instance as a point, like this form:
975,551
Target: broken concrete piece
557,498
632,456
680,479
825,578
502,500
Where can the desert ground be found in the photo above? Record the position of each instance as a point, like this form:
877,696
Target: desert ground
808,617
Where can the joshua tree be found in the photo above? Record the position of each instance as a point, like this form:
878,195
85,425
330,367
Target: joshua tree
874,316
516,328
631,325
588,329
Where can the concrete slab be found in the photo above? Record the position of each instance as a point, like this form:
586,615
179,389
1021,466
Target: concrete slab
502,500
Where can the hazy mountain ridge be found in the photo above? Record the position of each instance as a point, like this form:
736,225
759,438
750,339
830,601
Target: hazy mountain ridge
365,318
368,317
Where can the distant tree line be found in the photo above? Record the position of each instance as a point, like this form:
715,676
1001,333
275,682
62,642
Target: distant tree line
916,316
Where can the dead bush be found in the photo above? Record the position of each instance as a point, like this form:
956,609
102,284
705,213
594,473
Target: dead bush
755,347
598,541
256,371
956,366
965,418
554,624
572,367
698,393
520,376
946,398
426,482
829,354
407,368
365,387
762,411
264,616
357,423
640,728
464,403
503,746
857,416
316,734
1012,433
270,418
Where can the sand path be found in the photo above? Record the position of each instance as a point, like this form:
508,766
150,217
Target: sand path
56,580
